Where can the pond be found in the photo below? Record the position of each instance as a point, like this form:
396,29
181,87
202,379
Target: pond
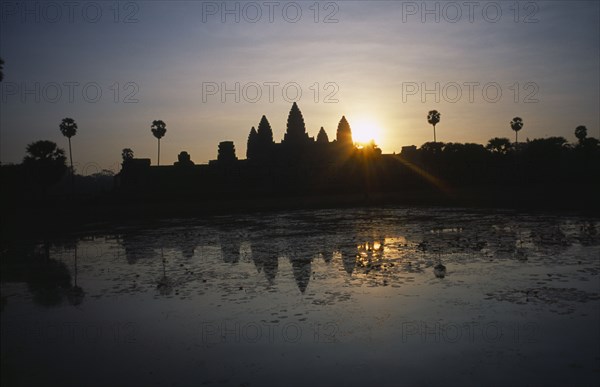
378,296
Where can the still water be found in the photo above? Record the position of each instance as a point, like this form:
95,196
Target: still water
389,296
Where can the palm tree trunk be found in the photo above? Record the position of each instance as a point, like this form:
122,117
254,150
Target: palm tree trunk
71,161
158,152
434,139
516,138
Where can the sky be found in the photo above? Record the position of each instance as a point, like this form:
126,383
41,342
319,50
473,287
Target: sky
210,70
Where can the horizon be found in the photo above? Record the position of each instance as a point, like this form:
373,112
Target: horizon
375,63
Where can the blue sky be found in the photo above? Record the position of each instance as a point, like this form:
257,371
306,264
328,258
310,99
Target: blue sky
160,55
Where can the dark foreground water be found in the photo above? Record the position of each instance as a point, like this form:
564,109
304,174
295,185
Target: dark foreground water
352,297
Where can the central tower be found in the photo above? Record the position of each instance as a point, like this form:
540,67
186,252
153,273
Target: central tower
295,135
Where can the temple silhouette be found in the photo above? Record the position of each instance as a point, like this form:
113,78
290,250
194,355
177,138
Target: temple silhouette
298,164
341,171
307,172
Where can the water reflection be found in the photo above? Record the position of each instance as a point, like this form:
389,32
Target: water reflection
381,249
137,247
349,257
452,240
588,233
164,284
370,255
198,293
75,294
550,239
301,268
439,270
265,259
230,243
188,246
48,280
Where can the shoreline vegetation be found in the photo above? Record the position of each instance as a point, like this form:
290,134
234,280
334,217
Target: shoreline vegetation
74,214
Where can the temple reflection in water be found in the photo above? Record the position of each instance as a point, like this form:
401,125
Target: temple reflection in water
300,247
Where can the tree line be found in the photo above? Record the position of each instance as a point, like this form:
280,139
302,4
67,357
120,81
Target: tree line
45,162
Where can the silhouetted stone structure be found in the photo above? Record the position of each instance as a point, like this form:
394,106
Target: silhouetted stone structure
295,135
183,159
322,137
440,173
344,134
226,152
296,165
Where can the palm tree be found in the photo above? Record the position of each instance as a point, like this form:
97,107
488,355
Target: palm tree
68,128
44,163
127,154
158,128
44,151
433,117
581,133
499,145
516,124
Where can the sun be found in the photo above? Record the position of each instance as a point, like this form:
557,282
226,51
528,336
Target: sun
365,130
